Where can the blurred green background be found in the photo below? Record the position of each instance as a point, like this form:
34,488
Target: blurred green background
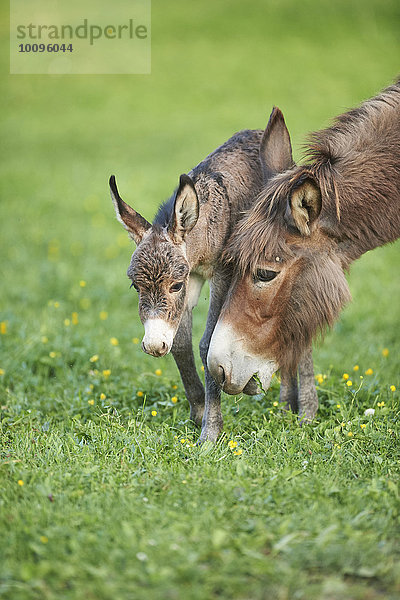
217,67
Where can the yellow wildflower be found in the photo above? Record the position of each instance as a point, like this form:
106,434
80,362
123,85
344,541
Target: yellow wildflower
56,305
275,403
158,372
44,339
52,354
44,539
74,318
345,376
202,367
103,314
337,446
174,387
102,396
363,425
139,393
107,373
381,404
319,377
94,358
183,440
369,371
232,444
135,340
349,383
153,413
67,322
174,399
350,434
82,283
91,402
20,482
338,406
3,327
238,452
392,388
385,352
356,368
114,341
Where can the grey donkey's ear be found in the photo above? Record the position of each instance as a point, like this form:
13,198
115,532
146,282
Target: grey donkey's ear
304,205
133,222
186,209
275,148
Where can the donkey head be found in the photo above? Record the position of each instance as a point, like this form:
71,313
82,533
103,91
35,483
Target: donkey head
159,269
288,282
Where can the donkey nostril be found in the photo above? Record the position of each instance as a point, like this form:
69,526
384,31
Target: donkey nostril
221,375
164,347
144,348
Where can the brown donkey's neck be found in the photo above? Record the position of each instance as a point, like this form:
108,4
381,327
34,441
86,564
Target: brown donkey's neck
357,165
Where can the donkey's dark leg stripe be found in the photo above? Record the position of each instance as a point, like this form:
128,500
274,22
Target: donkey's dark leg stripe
182,351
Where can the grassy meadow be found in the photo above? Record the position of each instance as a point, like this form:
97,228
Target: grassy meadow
104,493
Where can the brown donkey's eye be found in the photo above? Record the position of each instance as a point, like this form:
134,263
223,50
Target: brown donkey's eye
265,275
176,287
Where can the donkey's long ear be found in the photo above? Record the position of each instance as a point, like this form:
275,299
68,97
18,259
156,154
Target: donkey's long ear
186,210
304,205
275,148
133,222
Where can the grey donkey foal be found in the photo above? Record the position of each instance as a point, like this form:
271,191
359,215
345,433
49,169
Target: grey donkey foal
182,249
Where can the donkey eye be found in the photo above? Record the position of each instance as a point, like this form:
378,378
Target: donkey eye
265,275
135,286
176,287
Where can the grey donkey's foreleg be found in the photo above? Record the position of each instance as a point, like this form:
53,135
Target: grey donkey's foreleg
182,351
300,397
212,420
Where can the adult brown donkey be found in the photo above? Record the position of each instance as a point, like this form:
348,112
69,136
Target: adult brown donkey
308,224
181,249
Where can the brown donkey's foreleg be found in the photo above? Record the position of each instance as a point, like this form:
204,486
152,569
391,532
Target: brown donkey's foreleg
308,399
182,351
288,393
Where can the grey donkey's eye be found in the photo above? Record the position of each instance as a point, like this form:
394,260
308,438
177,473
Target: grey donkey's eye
176,287
264,275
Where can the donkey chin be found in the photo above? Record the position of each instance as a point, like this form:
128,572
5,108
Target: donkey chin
233,367
158,337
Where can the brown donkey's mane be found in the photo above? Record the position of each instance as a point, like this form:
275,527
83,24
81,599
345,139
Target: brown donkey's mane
356,165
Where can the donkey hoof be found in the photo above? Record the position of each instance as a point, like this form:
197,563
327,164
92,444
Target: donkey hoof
210,434
196,415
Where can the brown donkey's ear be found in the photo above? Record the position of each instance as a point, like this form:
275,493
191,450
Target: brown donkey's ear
133,222
275,148
304,205
186,210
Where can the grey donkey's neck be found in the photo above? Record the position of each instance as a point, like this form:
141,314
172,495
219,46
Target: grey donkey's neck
225,169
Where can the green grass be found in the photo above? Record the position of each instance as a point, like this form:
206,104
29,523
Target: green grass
113,504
